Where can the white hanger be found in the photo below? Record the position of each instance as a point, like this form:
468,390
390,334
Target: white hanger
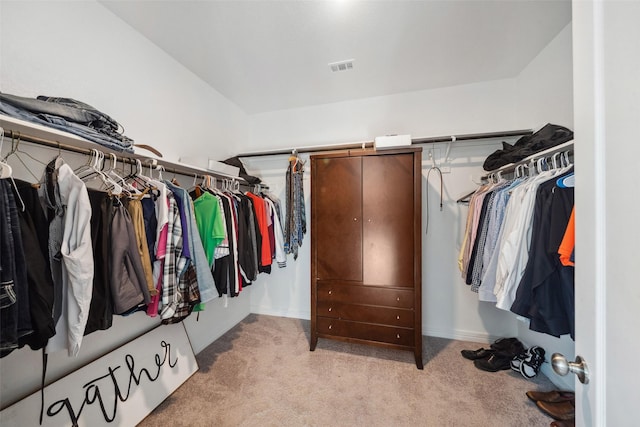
5,169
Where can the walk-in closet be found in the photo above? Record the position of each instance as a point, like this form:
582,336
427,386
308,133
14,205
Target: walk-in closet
329,212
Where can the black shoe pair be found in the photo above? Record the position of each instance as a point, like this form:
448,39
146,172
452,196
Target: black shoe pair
481,353
503,351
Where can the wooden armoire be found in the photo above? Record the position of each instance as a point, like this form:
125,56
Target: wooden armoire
366,248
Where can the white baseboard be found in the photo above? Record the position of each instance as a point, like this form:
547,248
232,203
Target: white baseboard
306,315
472,336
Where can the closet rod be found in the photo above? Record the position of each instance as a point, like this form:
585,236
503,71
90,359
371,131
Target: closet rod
414,141
129,158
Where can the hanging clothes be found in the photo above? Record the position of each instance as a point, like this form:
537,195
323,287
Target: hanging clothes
101,308
296,221
199,260
278,253
70,251
134,207
34,230
210,223
223,272
510,254
128,281
263,220
568,242
160,249
14,289
545,293
174,262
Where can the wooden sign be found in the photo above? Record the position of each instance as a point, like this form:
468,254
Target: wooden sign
119,389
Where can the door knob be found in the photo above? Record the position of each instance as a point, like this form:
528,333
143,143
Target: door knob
562,367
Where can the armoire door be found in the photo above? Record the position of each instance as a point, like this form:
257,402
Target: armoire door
388,220
338,222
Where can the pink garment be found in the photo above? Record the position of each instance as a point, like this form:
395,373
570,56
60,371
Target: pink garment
158,270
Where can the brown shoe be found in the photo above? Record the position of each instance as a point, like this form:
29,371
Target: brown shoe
558,410
553,396
567,423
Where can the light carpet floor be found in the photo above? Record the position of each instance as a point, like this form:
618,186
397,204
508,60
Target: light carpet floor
261,373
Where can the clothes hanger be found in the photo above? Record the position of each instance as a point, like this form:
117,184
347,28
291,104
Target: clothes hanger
89,166
15,151
126,188
137,177
5,169
96,171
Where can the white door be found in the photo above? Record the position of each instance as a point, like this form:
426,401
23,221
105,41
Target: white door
606,62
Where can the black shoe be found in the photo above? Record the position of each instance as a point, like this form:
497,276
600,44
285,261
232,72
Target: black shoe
496,362
481,353
532,362
508,346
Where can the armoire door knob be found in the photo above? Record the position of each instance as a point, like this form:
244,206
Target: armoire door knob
562,367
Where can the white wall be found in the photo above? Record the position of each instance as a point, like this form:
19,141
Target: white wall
545,95
481,107
450,309
545,86
81,50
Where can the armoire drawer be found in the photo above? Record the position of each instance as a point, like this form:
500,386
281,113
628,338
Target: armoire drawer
365,331
362,294
367,313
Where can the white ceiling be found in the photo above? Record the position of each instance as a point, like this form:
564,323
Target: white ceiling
269,55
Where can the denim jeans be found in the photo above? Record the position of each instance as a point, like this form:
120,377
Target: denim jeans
8,297
82,120
15,316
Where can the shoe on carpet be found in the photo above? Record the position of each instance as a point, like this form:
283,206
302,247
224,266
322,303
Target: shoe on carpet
481,353
516,362
553,396
558,410
531,362
504,343
511,346
494,363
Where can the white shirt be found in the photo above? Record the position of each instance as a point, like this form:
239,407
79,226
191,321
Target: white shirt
77,263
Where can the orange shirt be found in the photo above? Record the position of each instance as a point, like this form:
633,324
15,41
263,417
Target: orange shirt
568,241
261,214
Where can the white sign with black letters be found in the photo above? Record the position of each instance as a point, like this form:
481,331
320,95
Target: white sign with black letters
119,389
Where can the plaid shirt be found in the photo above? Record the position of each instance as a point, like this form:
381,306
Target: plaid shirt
174,263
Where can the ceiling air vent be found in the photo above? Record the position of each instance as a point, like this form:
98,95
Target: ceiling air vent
341,65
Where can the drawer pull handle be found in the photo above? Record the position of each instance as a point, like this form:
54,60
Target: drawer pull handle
398,336
329,292
398,317
398,299
355,219
329,308
329,326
